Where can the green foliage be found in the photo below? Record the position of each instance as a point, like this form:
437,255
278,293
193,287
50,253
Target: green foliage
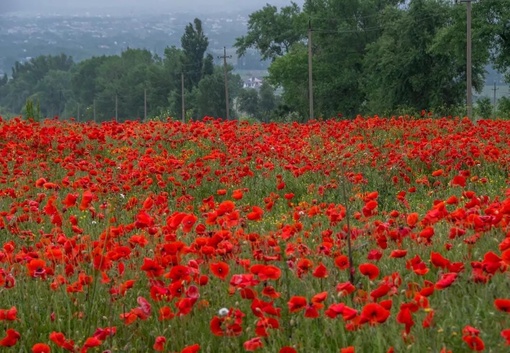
484,108
29,78
273,32
209,97
248,101
379,56
32,111
267,101
194,45
503,107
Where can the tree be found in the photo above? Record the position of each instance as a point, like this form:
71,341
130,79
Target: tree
248,101
209,96
495,19
273,32
121,82
84,79
267,101
290,72
484,107
194,44
504,107
208,67
53,92
35,69
26,77
4,80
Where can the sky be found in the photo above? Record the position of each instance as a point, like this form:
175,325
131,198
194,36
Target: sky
37,6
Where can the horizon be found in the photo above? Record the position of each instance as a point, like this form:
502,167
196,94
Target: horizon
129,6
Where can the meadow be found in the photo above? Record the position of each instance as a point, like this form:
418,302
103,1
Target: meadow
363,235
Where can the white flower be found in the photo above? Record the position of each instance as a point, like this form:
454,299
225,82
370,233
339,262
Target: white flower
123,196
223,312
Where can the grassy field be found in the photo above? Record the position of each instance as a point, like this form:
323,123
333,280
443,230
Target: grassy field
369,235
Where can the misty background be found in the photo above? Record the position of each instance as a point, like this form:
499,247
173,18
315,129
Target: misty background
130,6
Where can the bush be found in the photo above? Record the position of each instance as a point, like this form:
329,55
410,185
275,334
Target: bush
484,107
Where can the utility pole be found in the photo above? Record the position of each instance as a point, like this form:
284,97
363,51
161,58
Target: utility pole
224,57
79,110
145,104
310,76
469,84
183,113
116,108
494,97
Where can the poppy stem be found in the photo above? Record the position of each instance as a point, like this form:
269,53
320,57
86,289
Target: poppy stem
347,220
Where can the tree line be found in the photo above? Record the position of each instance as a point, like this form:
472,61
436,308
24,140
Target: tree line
131,85
380,56
369,57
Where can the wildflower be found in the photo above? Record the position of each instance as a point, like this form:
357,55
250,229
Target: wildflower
41,348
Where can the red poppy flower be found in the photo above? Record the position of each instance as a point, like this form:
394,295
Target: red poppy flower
152,268
8,314
220,269
380,291
475,343
412,219
502,304
287,349
253,344
405,317
369,270
458,180
270,292
36,268
297,303
345,288
90,343
59,339
265,272
159,344
165,313
191,349
237,194
41,348
374,255
256,214
320,271
11,338
187,222
342,262
349,349
373,313
446,280
506,335
398,253
438,260
427,321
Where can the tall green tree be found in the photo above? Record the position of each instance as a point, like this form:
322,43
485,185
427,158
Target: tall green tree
194,44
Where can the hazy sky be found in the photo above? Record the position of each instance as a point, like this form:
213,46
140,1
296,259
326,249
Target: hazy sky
145,5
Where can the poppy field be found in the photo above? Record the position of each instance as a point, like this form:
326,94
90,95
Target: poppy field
363,235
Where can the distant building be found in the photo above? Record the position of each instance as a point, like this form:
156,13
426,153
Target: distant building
253,82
